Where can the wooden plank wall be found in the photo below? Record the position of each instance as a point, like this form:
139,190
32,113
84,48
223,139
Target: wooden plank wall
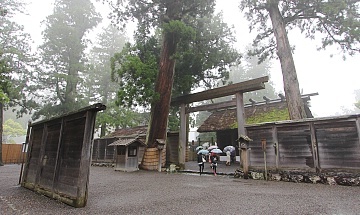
314,144
12,153
101,152
59,155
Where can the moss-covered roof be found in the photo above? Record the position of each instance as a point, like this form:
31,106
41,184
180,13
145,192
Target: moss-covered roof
226,119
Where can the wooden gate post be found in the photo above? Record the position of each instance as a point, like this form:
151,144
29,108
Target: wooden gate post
314,147
182,136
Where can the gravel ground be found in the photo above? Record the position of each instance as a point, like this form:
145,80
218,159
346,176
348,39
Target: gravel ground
151,192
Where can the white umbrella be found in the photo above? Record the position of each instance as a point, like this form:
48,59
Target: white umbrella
229,148
212,147
203,151
199,148
216,151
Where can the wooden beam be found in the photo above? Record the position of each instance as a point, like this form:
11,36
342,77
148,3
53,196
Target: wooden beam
232,103
246,86
210,107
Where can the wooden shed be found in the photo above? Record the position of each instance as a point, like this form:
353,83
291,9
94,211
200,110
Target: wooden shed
127,153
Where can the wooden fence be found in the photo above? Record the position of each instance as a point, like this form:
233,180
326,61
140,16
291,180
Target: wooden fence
13,153
319,143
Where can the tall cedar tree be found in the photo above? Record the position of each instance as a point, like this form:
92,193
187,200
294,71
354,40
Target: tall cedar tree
201,61
63,56
168,15
16,62
98,79
336,20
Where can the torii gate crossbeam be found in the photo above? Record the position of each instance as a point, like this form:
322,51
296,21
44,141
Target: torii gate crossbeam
237,89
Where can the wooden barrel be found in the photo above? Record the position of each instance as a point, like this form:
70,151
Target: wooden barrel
151,159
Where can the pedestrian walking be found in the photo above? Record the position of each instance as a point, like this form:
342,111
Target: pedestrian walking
201,159
214,160
228,158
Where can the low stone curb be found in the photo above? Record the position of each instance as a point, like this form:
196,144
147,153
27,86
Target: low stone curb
329,178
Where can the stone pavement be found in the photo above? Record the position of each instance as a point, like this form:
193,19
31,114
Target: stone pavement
222,169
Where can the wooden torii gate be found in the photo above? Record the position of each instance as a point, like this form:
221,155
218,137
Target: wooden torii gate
237,89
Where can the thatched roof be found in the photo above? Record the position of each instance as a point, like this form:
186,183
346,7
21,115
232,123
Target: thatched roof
267,112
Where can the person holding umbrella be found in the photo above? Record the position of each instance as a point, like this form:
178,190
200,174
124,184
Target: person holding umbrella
201,160
214,160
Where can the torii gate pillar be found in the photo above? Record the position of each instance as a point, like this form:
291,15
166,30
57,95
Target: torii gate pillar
182,136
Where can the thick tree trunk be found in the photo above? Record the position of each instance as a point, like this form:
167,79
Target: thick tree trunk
291,83
1,132
160,109
163,86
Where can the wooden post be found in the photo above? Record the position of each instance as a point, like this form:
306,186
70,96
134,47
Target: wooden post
182,137
42,160
358,128
245,163
159,169
263,146
240,110
314,147
276,146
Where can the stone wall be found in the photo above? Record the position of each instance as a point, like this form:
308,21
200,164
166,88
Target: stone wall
330,178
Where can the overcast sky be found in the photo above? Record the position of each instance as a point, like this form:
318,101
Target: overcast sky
333,78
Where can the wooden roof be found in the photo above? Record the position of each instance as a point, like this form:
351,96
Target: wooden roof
129,132
226,119
126,142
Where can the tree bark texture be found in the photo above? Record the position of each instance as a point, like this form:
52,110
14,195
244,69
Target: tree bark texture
160,108
163,86
291,84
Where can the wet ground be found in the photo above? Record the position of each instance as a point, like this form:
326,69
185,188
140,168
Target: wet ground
222,169
152,192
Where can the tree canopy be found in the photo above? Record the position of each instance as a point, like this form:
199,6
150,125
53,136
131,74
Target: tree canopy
201,61
171,18
12,129
62,54
336,22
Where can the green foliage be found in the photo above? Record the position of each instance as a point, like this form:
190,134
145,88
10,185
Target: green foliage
63,56
179,29
197,58
336,21
12,129
16,61
135,70
120,117
4,81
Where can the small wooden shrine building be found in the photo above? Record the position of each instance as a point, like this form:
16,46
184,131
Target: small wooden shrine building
127,153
